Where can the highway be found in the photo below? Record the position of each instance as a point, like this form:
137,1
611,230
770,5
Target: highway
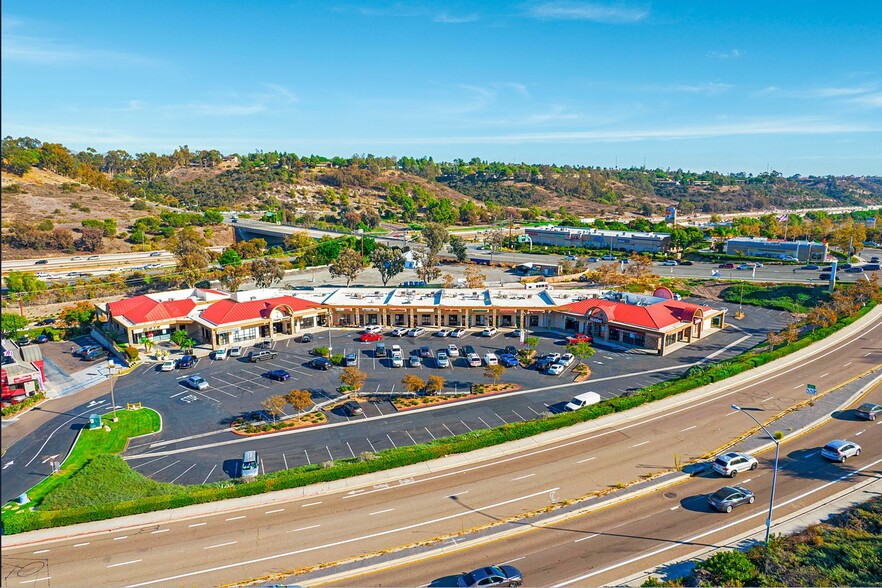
276,535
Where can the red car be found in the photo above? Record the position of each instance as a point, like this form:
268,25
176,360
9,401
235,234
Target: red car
365,337
580,338
727,266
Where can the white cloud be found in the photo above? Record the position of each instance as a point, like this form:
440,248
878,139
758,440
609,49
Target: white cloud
446,18
592,11
871,100
44,51
707,88
835,92
733,54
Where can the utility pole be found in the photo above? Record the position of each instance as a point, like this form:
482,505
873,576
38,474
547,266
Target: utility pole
509,230
20,305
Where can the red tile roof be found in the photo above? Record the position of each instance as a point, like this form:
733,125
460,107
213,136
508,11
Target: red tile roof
229,311
143,309
655,316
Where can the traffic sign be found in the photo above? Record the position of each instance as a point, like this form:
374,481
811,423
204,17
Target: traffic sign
810,389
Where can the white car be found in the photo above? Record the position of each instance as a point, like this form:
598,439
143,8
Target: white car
491,359
197,382
396,349
41,275
443,333
452,350
167,366
442,360
566,359
373,329
556,369
489,332
398,332
416,332
397,360
221,353
474,360
236,351
518,332
669,262
457,333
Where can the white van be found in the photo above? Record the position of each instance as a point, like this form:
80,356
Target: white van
250,464
583,400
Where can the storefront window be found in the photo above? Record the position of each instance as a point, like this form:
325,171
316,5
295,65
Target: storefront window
244,334
399,319
307,322
452,320
534,320
426,320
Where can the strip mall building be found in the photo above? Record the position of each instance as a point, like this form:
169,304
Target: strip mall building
656,323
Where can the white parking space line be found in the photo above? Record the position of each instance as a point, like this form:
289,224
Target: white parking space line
391,441
209,474
182,473
350,449
412,440
145,463
485,422
166,467
466,426
285,459
451,432
429,432
179,393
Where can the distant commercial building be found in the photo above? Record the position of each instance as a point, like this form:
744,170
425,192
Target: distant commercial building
776,248
22,374
600,239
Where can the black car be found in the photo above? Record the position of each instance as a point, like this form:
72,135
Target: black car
811,266
509,350
44,322
685,262
84,350
321,363
187,362
41,262
278,375
351,408
42,339
306,338
868,411
466,350
22,341
855,270
425,351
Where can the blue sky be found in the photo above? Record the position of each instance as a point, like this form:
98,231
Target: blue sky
701,85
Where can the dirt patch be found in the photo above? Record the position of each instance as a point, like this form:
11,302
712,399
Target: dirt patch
710,291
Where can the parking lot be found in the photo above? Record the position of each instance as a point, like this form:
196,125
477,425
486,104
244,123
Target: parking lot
194,447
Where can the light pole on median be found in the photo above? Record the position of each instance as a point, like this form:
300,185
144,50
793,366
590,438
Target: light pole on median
774,472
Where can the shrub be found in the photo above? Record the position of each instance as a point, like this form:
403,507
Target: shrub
337,359
321,351
131,353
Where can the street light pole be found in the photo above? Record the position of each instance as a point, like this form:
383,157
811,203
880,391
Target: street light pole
774,472
111,370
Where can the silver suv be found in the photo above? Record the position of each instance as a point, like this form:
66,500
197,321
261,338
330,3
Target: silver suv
729,464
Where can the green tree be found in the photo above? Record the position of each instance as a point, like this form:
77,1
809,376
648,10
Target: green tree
179,337
229,257
388,261
24,282
266,271
12,324
582,350
82,313
459,249
532,342
427,263
435,236
349,264
494,372
234,276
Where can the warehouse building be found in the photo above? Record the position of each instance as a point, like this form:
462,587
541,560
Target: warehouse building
777,248
600,239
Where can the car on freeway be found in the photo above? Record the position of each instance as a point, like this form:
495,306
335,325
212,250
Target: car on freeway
826,276
489,332
350,360
744,266
425,351
76,258
416,332
728,497
367,337
686,262
608,258
398,332
592,259
156,254
474,360
41,275
840,450
508,360
167,366
220,354
92,258
397,360
373,329
306,338
872,267
727,266
810,266
491,358
413,360
236,351
187,362
443,332
579,338
491,576
729,464
555,369
197,383
868,411
669,262
41,262
855,270
278,375
457,333
467,350
570,257
566,359
351,408
152,266
321,363
452,350
441,359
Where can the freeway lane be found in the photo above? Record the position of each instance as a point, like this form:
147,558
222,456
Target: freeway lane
602,547
278,535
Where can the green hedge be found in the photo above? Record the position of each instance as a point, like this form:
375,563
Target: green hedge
24,404
404,456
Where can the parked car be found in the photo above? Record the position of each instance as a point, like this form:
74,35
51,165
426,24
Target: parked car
278,375
840,450
396,349
508,360
443,332
236,351
425,351
491,359
729,464
510,350
728,497
579,338
197,383
868,411
167,366
489,332
583,400
220,354
413,360
373,329
727,266
350,360
555,369
441,360
41,339
95,354
351,408
416,332
84,349
467,350
546,360
474,360
518,332
380,350
250,464
398,332
187,362
306,338
263,355
566,359
460,332
321,363
366,337
23,340
398,360
452,350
